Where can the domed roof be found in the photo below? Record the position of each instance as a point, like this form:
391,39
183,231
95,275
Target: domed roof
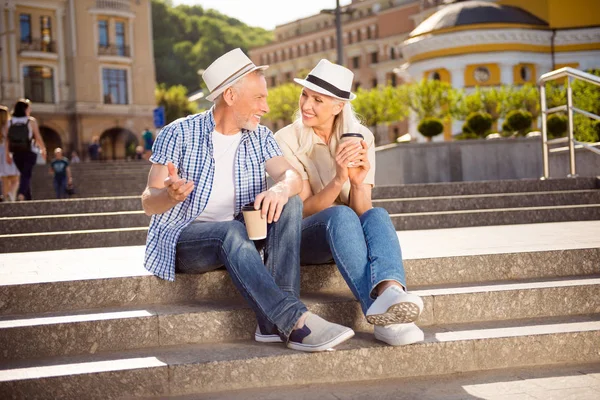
475,12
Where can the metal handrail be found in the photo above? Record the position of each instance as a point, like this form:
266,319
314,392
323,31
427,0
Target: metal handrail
569,73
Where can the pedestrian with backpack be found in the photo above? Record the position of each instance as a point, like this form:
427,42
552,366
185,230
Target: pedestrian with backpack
22,130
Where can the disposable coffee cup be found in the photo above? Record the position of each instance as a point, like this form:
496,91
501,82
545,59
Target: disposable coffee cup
255,225
354,137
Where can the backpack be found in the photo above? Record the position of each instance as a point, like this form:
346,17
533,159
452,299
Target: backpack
18,137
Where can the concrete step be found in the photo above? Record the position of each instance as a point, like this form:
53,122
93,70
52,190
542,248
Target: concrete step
89,331
209,368
495,216
85,236
489,201
114,277
73,222
79,239
483,187
70,206
574,381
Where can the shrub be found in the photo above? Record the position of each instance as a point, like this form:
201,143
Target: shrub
519,121
557,125
479,123
430,127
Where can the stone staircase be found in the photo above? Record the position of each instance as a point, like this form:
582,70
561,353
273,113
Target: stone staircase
499,290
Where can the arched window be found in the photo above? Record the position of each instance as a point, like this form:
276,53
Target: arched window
38,83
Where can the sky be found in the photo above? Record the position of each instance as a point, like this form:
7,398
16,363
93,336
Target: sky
265,13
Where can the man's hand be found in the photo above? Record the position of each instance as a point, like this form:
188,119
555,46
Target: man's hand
177,188
272,201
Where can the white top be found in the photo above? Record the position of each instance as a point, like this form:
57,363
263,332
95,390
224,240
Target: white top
221,203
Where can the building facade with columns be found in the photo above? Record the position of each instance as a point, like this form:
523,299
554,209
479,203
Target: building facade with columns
86,65
504,42
373,33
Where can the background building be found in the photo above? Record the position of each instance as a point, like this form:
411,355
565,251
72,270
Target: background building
87,66
465,43
507,42
373,32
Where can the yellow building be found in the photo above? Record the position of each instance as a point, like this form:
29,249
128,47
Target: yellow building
489,43
87,66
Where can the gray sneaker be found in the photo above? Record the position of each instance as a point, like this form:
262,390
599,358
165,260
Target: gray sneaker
318,335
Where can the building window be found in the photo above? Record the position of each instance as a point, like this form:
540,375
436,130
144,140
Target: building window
46,31
369,36
350,36
114,82
356,86
374,83
374,57
356,62
288,76
25,26
393,80
393,53
38,83
435,76
358,36
103,33
481,74
526,74
120,38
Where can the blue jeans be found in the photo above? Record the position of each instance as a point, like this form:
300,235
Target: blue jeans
60,186
366,248
271,288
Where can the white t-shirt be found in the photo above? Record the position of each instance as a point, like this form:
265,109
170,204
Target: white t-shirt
221,203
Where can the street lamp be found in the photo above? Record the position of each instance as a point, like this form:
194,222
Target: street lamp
338,28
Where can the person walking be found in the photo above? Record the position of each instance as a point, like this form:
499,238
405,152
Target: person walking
8,170
22,131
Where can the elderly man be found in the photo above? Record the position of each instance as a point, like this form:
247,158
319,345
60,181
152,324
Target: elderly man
205,167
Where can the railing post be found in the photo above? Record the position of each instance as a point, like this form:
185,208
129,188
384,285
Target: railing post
571,138
544,130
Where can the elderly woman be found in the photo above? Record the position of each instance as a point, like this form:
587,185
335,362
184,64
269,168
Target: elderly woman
339,221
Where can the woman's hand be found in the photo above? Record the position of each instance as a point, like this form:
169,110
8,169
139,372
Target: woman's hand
360,166
346,153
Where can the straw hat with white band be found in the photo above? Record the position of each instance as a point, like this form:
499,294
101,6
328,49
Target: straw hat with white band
227,70
330,79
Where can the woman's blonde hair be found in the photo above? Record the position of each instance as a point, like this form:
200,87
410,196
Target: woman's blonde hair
4,115
345,121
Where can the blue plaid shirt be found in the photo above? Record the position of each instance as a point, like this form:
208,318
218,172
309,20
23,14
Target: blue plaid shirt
187,143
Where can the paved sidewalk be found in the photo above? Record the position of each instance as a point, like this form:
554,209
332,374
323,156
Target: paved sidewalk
110,262
578,382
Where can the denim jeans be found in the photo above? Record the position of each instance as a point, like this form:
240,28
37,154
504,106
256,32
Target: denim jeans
366,248
271,288
60,186
25,161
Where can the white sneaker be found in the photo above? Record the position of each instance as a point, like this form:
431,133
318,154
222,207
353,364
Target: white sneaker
399,334
318,335
395,306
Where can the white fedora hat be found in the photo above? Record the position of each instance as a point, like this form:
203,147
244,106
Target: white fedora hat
330,79
227,70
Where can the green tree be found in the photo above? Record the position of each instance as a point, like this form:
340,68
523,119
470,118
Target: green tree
379,105
557,125
283,102
430,127
188,38
430,98
479,123
175,101
518,121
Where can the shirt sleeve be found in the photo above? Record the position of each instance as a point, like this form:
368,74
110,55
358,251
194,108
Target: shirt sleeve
292,159
271,148
168,145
